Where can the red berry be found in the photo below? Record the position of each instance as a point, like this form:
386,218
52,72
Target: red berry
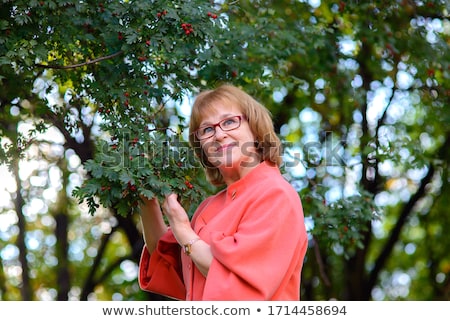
132,187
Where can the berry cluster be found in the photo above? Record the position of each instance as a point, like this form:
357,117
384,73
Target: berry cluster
212,15
161,14
187,27
188,184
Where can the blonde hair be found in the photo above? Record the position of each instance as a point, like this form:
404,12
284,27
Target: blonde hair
259,119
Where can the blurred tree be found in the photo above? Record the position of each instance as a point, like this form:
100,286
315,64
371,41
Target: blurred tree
358,91
372,106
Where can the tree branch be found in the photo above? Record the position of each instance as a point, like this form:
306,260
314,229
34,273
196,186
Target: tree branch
85,149
320,263
89,282
395,234
89,62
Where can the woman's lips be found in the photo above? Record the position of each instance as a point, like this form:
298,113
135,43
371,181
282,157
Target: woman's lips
225,147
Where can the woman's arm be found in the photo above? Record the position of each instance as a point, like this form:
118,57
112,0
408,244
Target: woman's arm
152,223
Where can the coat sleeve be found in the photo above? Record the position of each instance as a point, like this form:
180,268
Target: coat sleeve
161,272
256,260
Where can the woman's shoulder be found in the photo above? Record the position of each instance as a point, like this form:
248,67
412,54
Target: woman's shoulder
210,199
272,178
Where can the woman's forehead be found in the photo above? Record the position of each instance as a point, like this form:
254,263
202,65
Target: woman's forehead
217,111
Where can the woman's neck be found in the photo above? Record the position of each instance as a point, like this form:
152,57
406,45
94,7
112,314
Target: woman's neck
231,175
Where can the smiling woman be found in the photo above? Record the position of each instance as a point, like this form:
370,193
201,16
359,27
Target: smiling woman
248,241
227,101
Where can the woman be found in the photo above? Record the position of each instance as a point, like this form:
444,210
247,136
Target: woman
248,241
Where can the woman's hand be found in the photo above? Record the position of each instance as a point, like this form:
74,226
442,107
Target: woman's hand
173,210
150,202
181,227
178,219
152,222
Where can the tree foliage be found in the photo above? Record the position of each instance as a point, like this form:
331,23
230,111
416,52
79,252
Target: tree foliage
92,115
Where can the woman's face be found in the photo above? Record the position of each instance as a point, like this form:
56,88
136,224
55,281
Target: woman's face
228,149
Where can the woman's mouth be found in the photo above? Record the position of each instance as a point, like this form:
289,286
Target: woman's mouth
224,147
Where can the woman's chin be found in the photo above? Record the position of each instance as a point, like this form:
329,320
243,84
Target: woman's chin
238,164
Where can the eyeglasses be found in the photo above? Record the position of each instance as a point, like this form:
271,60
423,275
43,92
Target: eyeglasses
226,124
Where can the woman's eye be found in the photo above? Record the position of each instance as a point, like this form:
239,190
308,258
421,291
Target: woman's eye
228,122
207,130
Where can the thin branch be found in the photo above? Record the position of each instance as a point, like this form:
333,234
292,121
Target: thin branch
89,282
89,62
320,263
401,221
384,115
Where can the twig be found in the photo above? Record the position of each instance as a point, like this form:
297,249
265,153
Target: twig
163,129
319,261
89,62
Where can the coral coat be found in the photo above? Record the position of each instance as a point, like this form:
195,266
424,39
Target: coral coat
257,236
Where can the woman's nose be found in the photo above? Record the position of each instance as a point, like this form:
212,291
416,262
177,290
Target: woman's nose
219,134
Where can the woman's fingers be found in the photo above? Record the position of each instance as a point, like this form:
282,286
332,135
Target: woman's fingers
171,204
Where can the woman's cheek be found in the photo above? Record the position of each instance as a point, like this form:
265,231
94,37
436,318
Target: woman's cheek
209,148
210,152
